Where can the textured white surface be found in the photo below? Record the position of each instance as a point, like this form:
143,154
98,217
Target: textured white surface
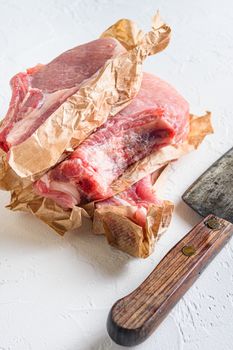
55,293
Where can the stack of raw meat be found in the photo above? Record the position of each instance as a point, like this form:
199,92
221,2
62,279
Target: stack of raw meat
157,117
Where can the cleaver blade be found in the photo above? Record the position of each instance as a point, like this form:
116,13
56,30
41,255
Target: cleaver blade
212,192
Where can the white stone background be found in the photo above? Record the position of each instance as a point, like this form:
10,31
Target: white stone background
55,293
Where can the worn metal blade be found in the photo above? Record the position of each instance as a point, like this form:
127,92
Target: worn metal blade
212,192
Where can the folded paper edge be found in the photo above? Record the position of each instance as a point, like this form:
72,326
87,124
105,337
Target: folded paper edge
122,233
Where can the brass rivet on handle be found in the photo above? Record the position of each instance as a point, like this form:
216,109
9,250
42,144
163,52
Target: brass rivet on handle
213,223
188,250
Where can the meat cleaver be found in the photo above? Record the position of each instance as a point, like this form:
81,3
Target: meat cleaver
133,318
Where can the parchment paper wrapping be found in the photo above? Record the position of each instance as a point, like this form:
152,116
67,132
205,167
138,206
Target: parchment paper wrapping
133,239
116,222
104,94
24,199
125,235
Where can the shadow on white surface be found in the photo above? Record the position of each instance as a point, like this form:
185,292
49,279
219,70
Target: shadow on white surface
23,231
187,214
95,249
159,340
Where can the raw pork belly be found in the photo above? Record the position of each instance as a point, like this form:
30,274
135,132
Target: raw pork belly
157,116
37,93
140,195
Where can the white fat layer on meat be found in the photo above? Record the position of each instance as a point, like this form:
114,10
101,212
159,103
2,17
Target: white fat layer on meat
32,116
66,187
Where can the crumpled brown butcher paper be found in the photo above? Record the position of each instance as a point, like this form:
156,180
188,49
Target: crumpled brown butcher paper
106,93
116,221
133,240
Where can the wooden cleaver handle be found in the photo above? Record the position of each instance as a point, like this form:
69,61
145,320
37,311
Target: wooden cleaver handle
133,318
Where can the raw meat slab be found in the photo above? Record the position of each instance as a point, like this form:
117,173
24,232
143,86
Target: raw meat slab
157,116
37,93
